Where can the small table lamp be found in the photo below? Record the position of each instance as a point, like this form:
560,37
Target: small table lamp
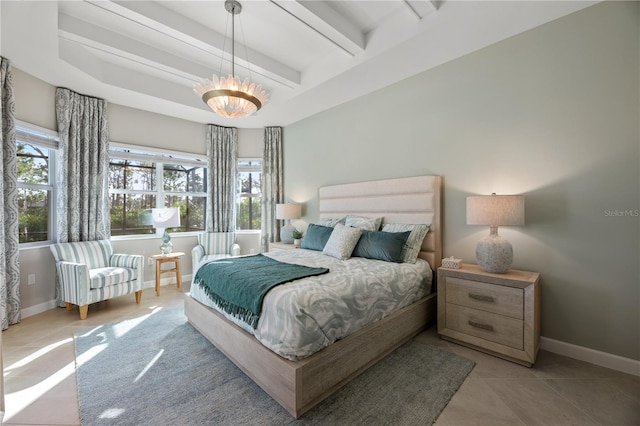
166,218
494,253
288,211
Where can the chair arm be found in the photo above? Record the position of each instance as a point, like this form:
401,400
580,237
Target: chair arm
234,250
196,255
74,282
134,261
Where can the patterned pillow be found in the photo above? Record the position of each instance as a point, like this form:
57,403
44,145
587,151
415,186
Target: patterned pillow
342,241
366,223
414,242
331,222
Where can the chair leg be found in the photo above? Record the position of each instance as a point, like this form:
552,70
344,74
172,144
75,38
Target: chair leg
84,309
69,306
138,296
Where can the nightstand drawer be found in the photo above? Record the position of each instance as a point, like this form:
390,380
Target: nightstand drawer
485,325
493,298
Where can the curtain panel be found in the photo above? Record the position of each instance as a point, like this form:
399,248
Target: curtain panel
272,182
9,241
82,204
222,158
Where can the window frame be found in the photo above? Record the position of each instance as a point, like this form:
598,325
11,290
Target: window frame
158,157
48,139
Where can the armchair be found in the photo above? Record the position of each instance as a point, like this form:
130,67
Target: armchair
89,272
213,245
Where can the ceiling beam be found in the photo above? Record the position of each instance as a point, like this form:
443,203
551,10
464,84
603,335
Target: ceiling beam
321,18
420,8
83,33
123,78
167,23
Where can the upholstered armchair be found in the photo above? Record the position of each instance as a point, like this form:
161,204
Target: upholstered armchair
89,272
212,246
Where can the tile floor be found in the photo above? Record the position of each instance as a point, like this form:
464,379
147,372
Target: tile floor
40,383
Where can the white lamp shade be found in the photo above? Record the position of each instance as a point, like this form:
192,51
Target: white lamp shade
495,210
166,217
288,211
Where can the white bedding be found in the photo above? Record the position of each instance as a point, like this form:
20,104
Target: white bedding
304,316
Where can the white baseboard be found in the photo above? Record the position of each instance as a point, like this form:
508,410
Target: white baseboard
43,307
603,359
37,309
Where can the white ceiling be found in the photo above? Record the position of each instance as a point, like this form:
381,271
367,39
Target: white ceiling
310,55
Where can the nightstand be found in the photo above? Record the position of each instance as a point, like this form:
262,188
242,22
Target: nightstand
495,313
281,246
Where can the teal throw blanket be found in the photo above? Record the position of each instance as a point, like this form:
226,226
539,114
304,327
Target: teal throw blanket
238,285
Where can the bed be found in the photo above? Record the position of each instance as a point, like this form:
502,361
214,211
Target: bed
299,385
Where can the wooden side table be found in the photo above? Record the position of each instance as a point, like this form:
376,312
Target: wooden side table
171,257
495,313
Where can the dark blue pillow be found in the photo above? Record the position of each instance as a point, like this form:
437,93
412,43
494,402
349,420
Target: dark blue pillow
316,237
385,246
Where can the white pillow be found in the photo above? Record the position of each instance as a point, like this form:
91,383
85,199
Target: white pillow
342,241
414,242
366,223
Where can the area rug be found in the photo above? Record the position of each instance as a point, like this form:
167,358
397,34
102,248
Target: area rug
158,370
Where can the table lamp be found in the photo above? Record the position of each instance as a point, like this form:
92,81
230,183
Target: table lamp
494,253
166,218
288,211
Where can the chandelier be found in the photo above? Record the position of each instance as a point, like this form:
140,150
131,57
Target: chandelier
230,96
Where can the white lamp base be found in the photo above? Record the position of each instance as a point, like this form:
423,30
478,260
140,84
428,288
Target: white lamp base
286,233
494,254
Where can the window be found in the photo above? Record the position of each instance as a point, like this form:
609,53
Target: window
249,208
141,179
35,151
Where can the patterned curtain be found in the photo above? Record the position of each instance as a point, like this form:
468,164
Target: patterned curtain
272,182
222,156
9,255
83,205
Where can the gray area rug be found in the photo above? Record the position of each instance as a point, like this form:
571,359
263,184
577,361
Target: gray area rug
158,370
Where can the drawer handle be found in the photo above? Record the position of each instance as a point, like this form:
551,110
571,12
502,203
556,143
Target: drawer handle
482,297
480,325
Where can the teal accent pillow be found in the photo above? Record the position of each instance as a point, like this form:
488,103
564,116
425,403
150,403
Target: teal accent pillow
414,242
385,246
316,237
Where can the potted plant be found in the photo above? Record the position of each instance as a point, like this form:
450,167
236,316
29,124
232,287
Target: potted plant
297,238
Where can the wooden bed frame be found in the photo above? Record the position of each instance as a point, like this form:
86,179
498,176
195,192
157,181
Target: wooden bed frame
300,385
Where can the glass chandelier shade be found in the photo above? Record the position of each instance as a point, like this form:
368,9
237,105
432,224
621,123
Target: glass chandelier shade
231,96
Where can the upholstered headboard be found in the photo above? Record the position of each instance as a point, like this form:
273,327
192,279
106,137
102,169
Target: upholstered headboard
402,200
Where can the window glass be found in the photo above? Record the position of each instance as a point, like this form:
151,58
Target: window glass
131,213
249,201
141,180
35,185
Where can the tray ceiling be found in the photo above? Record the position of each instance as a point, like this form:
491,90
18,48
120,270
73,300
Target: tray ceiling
310,55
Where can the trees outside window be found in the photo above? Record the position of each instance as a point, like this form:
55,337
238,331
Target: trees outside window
249,200
140,180
36,164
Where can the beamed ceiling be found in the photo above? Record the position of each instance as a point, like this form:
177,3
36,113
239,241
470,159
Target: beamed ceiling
310,55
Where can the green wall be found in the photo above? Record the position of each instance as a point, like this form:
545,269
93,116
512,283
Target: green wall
552,114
